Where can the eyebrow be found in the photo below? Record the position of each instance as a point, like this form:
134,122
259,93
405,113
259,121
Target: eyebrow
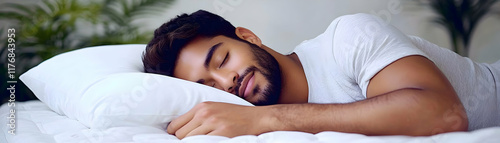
210,54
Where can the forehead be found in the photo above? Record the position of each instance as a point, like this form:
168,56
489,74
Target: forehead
190,55
191,58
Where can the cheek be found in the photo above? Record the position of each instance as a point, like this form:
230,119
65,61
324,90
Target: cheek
240,63
262,83
242,58
261,80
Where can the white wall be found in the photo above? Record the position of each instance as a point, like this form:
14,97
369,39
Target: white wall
282,24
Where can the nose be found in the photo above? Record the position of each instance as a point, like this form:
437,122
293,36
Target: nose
226,81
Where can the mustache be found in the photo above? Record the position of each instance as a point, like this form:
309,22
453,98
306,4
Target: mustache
240,79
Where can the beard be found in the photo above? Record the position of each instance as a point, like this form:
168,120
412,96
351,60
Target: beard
269,67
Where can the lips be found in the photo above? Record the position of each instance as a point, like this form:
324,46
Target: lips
246,85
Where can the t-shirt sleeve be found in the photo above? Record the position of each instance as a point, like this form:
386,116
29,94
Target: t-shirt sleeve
364,44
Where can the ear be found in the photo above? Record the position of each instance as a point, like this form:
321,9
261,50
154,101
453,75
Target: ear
248,35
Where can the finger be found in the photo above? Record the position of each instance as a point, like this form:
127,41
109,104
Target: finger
180,121
201,130
222,133
187,128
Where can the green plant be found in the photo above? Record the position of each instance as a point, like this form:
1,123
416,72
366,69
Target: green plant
460,18
117,16
51,27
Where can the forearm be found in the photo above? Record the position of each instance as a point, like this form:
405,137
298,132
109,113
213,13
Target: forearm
405,112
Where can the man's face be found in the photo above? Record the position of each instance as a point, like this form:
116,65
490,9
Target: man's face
231,65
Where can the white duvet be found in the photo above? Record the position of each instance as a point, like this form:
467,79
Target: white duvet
36,123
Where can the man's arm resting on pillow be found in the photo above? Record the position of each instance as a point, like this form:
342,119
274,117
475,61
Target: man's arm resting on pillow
409,97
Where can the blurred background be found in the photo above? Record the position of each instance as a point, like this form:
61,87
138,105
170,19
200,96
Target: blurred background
45,28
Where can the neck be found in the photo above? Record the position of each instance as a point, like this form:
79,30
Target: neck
294,88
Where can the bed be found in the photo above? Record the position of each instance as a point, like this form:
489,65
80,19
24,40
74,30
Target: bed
38,123
100,94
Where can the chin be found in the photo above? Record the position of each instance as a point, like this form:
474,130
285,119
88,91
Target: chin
265,97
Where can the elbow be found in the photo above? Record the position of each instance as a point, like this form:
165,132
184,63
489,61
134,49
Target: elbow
450,116
446,117
463,124
463,127
455,125
449,122
453,120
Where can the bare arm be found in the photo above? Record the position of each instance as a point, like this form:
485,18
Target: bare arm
396,113
409,97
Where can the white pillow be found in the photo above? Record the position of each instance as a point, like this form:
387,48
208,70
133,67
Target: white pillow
105,87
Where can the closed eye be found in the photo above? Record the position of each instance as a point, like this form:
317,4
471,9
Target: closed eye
224,61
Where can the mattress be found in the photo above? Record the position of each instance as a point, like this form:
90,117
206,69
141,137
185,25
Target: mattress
35,122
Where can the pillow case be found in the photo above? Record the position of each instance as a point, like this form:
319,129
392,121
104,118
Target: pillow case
105,86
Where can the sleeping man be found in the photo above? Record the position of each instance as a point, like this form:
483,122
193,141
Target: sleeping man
360,76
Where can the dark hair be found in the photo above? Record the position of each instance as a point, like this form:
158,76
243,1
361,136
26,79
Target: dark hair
162,51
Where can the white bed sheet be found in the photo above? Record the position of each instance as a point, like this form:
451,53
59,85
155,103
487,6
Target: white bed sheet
36,123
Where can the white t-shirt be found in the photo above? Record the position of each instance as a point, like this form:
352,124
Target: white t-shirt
340,62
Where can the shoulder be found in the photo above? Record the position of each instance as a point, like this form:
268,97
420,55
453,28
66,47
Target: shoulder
358,17
356,20
360,29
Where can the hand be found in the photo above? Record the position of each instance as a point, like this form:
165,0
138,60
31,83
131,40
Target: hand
223,119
